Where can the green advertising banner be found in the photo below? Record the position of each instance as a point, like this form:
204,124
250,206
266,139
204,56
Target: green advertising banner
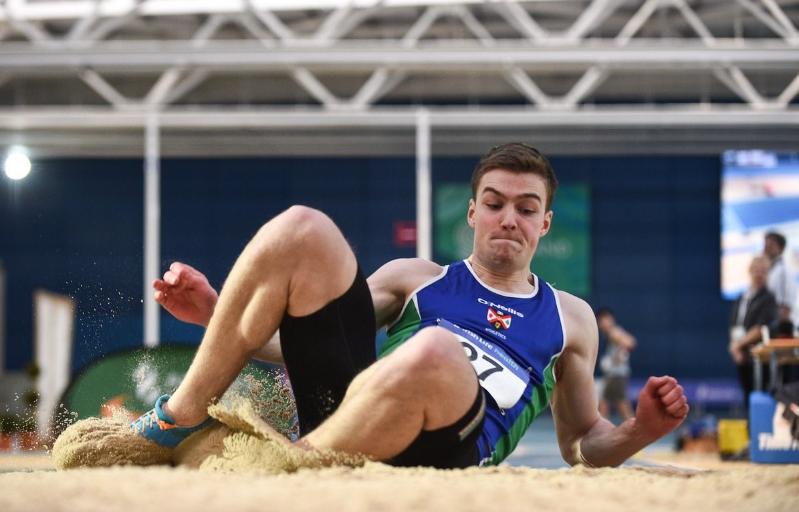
134,379
563,255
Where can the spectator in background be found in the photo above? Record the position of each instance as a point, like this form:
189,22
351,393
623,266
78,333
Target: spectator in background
615,365
753,310
780,280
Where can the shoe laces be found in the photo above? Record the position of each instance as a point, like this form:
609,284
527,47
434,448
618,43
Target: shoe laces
144,422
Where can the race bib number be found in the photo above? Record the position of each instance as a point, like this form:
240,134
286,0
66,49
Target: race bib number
497,372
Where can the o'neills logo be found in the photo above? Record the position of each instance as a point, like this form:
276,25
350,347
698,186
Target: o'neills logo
498,320
500,307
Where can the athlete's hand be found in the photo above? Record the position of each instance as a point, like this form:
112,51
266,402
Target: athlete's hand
185,292
662,406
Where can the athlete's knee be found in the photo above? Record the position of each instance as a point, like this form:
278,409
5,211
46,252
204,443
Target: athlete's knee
300,222
434,352
435,371
304,218
296,228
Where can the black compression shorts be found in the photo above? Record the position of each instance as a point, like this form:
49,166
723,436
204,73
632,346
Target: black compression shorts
451,447
324,351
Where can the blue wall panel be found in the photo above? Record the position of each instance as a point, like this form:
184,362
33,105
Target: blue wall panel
75,227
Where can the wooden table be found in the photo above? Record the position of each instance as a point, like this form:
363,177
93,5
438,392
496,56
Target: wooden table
776,353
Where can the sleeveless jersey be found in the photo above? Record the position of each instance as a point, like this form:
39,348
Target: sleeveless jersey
512,340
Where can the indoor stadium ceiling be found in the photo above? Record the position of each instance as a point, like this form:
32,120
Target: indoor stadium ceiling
357,77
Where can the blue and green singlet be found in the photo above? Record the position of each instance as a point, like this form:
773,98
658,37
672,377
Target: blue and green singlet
512,340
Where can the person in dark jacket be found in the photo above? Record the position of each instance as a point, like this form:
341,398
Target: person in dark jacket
754,309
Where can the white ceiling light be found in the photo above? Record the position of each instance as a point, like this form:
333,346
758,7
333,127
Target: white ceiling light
17,165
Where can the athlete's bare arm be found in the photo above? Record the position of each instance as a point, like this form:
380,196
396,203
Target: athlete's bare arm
583,435
392,284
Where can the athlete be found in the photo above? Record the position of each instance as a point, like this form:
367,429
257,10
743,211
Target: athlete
475,350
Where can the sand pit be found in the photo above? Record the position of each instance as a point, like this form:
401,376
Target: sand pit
241,441
379,487
102,442
242,468
243,464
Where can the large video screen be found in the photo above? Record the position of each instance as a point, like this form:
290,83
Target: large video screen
759,193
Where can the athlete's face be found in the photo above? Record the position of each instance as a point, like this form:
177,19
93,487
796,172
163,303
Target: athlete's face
509,216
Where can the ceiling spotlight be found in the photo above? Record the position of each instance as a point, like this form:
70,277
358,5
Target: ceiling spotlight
17,165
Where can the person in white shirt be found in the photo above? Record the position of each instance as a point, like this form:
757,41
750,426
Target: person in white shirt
780,279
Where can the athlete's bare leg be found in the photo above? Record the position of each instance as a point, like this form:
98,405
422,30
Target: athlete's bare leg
286,268
426,384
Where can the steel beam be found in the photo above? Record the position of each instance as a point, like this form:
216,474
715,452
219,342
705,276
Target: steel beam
453,55
467,118
75,9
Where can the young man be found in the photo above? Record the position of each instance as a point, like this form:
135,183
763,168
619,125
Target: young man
475,351
615,365
780,280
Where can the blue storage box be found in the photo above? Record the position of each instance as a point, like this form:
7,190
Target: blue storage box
770,437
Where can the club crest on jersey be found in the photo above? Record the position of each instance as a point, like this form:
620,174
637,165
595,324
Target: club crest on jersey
498,320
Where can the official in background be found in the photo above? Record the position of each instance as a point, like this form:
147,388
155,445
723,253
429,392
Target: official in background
780,279
754,309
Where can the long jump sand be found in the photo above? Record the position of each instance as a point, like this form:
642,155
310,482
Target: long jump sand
376,487
242,468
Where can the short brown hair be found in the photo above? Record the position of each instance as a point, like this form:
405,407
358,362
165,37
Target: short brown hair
519,158
778,239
